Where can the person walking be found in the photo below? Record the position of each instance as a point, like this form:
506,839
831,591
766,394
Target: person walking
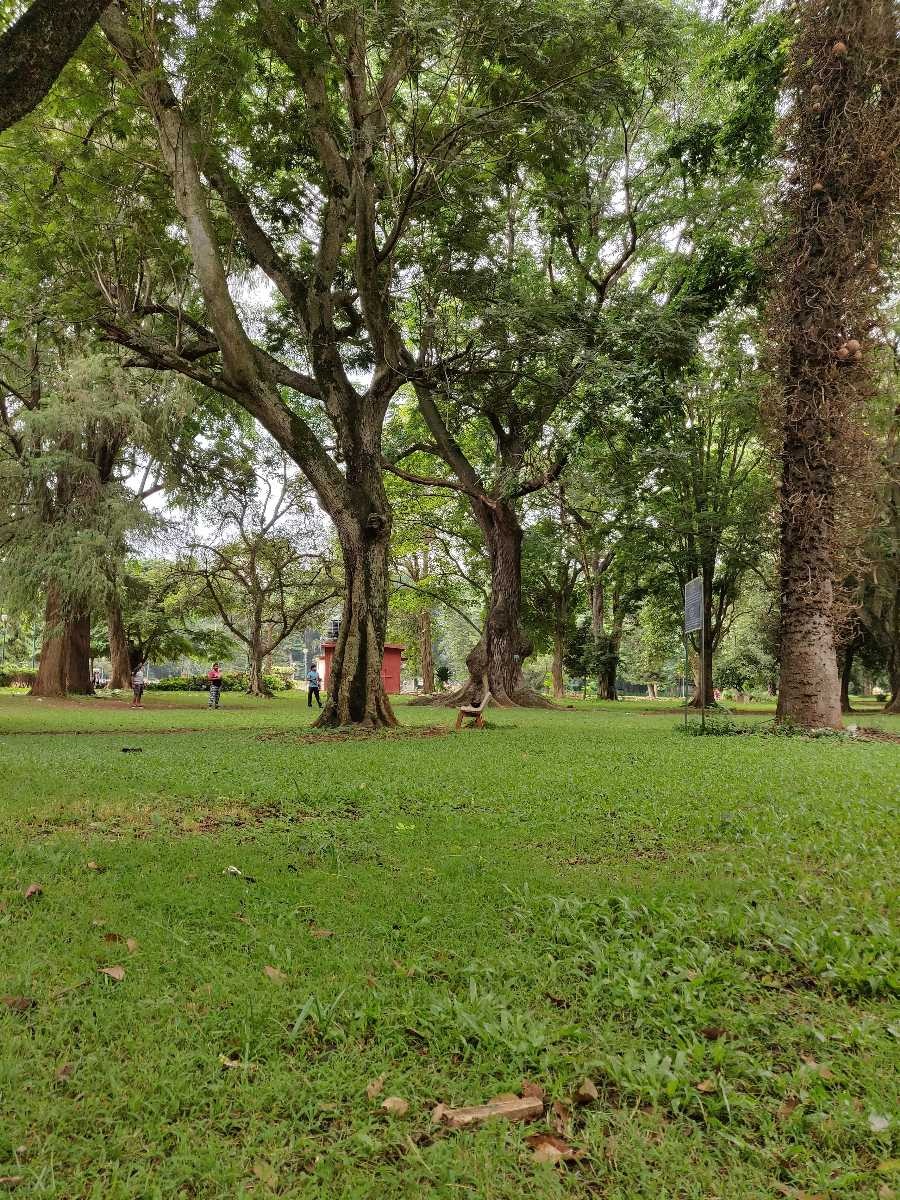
214,679
313,683
137,689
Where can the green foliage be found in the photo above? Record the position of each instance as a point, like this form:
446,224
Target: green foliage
232,681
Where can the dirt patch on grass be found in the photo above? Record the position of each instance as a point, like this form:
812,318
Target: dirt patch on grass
869,733
352,735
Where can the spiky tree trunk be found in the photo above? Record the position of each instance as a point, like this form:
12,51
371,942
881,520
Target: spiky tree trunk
50,680
841,199
120,675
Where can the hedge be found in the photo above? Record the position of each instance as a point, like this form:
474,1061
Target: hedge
232,681
18,677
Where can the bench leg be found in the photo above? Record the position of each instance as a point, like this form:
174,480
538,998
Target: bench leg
479,721
459,721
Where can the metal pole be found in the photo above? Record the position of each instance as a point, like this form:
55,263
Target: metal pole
687,667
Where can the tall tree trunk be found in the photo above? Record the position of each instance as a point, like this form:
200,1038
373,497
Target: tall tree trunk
703,688
609,667
426,652
809,692
651,691
120,675
256,684
893,704
356,694
51,674
597,613
846,671
78,655
840,203
556,671
504,647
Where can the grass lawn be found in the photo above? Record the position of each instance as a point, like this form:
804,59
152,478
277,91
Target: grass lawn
702,927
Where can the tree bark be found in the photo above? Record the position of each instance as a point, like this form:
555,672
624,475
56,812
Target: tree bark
809,693
893,705
846,672
556,671
51,674
356,694
703,698
120,675
609,668
78,655
840,207
35,50
256,684
426,652
651,691
504,647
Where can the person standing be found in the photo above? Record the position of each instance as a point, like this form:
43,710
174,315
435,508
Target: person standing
214,679
313,683
137,689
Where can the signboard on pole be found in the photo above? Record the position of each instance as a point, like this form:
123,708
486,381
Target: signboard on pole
693,605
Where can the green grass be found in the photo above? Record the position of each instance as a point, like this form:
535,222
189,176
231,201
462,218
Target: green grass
564,895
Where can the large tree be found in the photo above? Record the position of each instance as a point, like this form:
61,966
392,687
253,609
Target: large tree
314,139
839,203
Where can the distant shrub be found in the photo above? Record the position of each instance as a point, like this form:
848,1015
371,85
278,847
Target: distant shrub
232,681
22,677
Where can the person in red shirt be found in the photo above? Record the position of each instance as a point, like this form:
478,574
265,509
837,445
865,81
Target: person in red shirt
214,679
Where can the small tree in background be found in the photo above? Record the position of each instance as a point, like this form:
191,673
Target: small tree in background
265,569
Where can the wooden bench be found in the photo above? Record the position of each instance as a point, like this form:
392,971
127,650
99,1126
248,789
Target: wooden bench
476,711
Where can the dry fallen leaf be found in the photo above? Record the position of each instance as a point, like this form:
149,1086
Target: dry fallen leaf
786,1108
275,975
785,1189
396,1105
33,889
562,1115
822,1071
232,871
586,1092
533,1090
131,944
240,917
64,1072
18,1003
879,1122
886,1192
549,1149
321,933
11,1180
712,1033
526,1108
117,973
375,1087
708,1085
92,866
113,937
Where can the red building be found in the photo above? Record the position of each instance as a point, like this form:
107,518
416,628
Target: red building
391,666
